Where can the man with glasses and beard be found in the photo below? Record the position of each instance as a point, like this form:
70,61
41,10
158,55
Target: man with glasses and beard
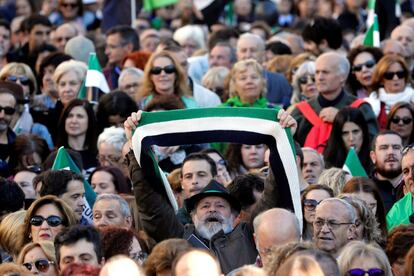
10,95
386,156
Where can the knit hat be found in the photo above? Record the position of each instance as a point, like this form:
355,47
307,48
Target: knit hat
212,189
79,48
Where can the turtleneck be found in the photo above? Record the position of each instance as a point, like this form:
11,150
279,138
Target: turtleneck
326,103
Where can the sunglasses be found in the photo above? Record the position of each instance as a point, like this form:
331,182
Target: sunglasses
69,5
367,64
42,265
23,80
7,110
306,78
310,204
53,221
390,75
169,69
405,120
361,272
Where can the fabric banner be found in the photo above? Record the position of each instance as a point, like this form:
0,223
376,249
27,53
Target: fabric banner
206,125
63,161
353,165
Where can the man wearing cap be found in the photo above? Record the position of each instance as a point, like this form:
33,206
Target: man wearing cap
10,93
213,211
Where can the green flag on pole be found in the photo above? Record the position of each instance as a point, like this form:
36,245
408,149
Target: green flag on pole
63,161
149,5
352,164
372,36
82,91
94,75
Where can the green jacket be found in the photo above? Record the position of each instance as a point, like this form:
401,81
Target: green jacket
400,213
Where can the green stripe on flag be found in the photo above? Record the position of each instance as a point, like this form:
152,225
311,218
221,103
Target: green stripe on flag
155,4
353,165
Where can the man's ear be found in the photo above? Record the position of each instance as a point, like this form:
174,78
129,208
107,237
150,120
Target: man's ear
129,47
323,45
373,156
129,220
102,261
352,232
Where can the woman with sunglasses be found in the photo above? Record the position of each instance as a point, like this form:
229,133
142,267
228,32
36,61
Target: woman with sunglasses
361,259
303,83
310,198
392,84
39,258
163,75
363,62
46,217
400,120
73,11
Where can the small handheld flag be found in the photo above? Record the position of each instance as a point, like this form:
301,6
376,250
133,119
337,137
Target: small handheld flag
352,164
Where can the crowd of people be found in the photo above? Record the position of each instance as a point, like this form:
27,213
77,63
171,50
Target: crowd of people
227,208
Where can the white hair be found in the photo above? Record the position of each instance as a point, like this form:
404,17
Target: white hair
114,136
192,32
123,204
342,62
258,40
320,157
130,71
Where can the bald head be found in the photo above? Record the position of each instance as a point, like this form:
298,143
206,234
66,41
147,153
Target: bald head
265,226
250,46
197,263
405,35
62,35
392,47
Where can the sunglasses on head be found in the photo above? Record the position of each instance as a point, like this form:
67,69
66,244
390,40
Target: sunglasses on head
310,204
23,79
7,110
169,69
390,75
306,78
367,64
42,265
53,221
361,272
405,120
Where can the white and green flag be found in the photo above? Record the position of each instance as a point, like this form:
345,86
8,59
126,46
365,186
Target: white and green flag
63,161
372,36
94,75
352,164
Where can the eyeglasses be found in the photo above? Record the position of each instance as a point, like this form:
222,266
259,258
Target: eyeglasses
361,272
111,159
390,75
139,256
405,120
367,64
133,85
69,5
23,79
7,110
42,265
60,39
306,78
310,204
406,149
52,221
332,225
169,69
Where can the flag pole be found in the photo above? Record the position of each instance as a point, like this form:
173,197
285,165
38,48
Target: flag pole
133,12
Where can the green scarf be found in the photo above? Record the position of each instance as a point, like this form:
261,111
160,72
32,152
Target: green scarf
235,102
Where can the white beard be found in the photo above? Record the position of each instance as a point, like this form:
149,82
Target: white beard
207,229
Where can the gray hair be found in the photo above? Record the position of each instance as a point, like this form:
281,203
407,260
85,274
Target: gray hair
130,71
193,32
258,40
123,204
233,56
77,67
308,67
320,157
114,136
349,208
343,65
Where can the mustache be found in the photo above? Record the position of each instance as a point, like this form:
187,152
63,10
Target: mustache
214,217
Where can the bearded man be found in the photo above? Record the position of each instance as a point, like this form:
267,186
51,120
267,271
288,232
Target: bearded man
386,156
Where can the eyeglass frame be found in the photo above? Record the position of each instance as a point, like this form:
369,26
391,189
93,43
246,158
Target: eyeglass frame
109,158
331,224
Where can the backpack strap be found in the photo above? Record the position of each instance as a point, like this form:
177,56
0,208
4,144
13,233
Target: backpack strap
309,113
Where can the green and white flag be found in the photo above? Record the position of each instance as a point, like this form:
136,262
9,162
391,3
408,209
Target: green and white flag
94,75
352,164
372,36
150,5
63,161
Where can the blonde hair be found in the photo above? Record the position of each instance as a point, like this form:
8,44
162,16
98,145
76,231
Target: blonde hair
180,85
240,67
300,265
359,250
68,217
77,67
215,77
334,178
47,247
17,68
9,241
